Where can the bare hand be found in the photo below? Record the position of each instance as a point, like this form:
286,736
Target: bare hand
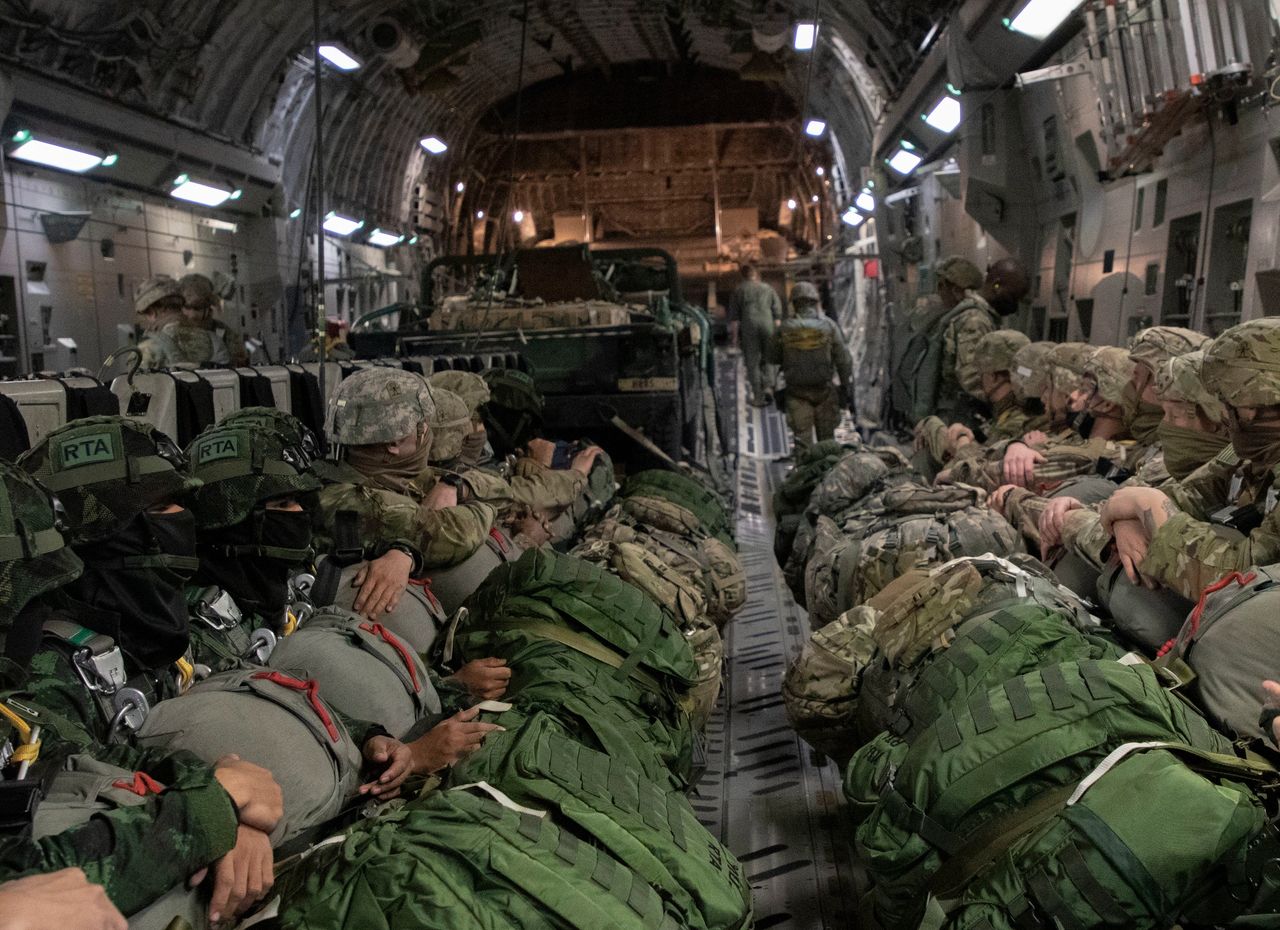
1271,698
64,898
485,679
1051,522
1131,547
541,451
397,761
382,583
1146,505
1020,463
584,460
997,499
958,436
441,497
243,876
451,741
1036,438
253,790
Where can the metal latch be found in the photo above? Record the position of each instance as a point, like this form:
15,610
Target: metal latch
219,612
131,710
264,643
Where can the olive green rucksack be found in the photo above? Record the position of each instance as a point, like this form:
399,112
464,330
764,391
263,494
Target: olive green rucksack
366,671
706,505
649,827
670,515
272,719
470,859
990,769
1162,837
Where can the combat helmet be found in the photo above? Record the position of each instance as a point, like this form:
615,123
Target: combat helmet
804,292
34,556
377,405
197,292
960,272
997,350
294,431
449,426
1155,345
106,471
1112,370
242,465
1030,371
153,290
513,414
468,385
1243,364
1181,379
1066,365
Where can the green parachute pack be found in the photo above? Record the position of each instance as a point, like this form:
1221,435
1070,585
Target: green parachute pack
992,768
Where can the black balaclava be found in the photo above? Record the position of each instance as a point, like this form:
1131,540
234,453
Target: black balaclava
134,586
251,560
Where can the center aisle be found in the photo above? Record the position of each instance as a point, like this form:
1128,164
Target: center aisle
761,794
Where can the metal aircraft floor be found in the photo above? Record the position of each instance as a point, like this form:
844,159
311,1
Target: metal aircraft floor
762,794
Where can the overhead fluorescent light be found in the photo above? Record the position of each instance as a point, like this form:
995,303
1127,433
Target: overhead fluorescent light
806,36
1040,18
341,225
383,239
110,160
53,155
852,217
339,57
865,202
820,171
814,198
791,203
518,216
945,116
433,145
479,214
220,225
295,213
815,127
905,161
413,241
459,187
201,192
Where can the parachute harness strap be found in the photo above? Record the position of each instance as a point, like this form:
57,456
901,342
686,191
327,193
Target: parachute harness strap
311,688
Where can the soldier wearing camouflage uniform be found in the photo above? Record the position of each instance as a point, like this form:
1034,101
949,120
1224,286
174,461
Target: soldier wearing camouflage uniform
1223,517
811,350
755,310
200,304
167,815
475,394
170,338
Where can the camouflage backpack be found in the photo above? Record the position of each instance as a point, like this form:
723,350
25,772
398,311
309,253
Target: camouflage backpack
1227,647
681,596
705,504
274,720
993,768
923,527
366,672
849,480
820,687
666,514
821,572
791,498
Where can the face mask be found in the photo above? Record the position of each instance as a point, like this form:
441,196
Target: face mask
1259,445
1141,419
473,448
1003,304
392,473
252,560
136,582
1185,450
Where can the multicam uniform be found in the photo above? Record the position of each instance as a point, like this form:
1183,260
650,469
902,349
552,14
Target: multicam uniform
811,349
757,309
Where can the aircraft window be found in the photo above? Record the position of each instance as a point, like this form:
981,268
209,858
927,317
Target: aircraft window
1141,205
1058,330
1162,199
1108,261
1152,279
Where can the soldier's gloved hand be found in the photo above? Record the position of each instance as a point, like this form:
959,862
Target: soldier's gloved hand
1020,462
541,451
398,764
484,679
253,790
450,741
57,900
243,876
1050,522
584,460
382,583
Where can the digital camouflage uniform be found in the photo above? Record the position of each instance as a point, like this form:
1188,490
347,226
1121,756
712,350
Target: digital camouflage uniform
757,309
1189,552
201,300
141,842
811,350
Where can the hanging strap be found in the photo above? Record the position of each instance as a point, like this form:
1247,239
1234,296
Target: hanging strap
311,688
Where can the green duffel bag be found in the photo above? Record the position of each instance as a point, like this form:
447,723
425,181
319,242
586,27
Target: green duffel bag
648,826
274,720
1228,646
364,670
985,763
710,507
470,860
1154,838
547,595
989,648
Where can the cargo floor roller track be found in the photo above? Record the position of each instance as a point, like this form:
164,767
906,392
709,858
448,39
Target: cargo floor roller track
761,794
